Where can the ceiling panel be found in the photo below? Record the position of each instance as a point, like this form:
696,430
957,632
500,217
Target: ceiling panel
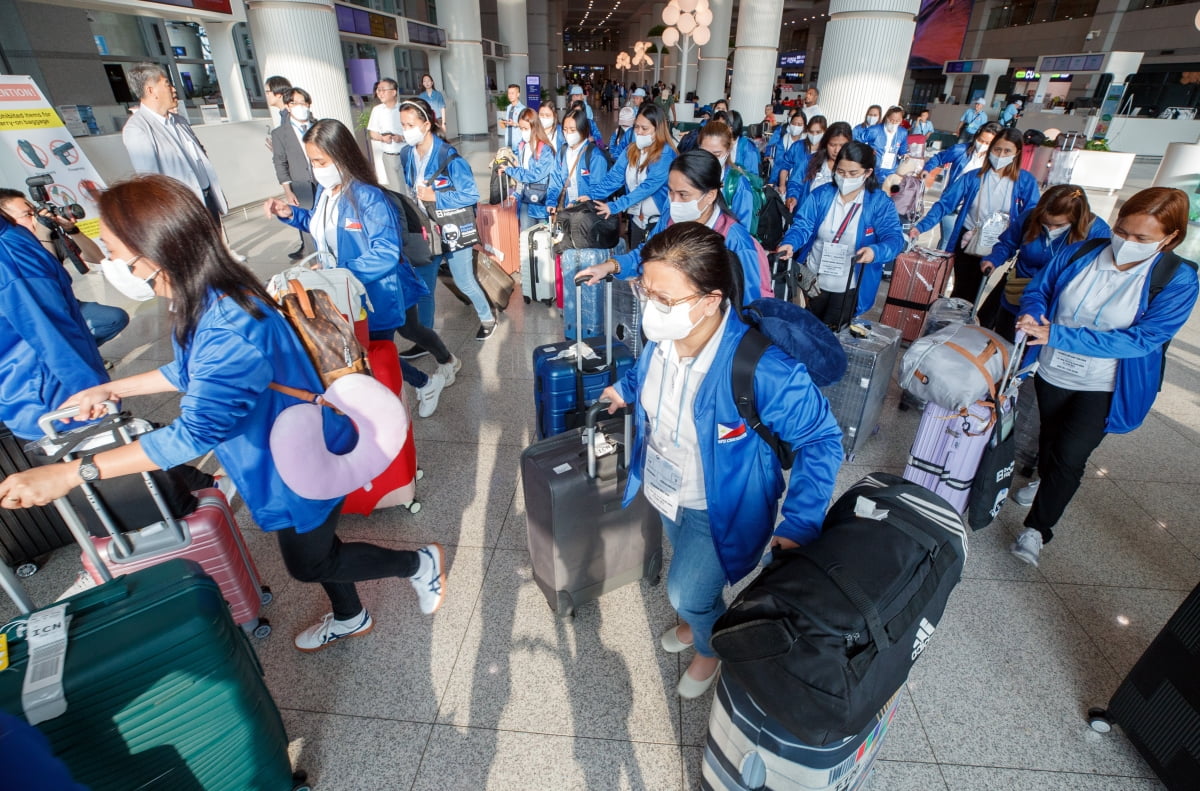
614,16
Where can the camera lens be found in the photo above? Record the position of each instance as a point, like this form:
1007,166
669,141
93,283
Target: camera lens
74,211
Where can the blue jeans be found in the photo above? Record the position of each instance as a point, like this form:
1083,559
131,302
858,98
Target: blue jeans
425,305
462,266
696,579
104,321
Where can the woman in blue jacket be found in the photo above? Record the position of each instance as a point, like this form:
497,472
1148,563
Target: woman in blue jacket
643,173
1000,188
354,220
844,229
435,173
1103,313
1061,218
890,141
695,190
784,159
721,512
819,170
874,114
745,152
717,139
232,349
547,118
536,157
433,97
962,158
580,163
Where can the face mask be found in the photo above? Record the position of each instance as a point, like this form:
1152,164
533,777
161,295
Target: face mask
328,176
1054,233
414,136
981,147
643,141
815,138
686,211
1127,252
116,272
999,163
547,123
890,128
574,139
872,120
673,325
526,135
846,186
724,160
794,130
301,113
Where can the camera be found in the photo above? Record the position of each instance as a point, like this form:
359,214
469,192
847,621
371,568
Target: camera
38,191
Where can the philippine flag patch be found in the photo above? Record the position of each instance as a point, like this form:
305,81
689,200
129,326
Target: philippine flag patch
353,225
441,182
728,433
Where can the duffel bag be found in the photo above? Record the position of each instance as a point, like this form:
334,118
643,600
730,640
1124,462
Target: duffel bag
827,633
955,366
581,228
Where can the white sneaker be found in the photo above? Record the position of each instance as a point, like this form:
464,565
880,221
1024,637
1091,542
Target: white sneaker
1028,546
449,370
1026,494
430,579
427,396
330,630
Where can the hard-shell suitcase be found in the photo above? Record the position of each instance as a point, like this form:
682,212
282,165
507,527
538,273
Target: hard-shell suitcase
748,751
1158,703
918,279
582,543
565,384
946,451
591,318
627,316
537,264
857,398
158,688
27,535
500,233
397,485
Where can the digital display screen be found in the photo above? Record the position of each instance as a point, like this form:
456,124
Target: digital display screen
364,23
1093,63
790,60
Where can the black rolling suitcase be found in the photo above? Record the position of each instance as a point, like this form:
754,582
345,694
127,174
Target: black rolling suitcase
1158,703
581,541
26,535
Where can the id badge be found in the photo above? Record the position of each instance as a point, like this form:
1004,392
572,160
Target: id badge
1070,364
661,484
988,236
835,259
889,161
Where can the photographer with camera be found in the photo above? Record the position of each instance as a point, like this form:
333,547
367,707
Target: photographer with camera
55,228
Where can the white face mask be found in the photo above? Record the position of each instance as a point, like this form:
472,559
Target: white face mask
574,139
526,135
686,211
815,138
117,273
890,128
414,136
673,325
724,160
301,113
981,147
1127,252
643,141
328,176
795,130
999,163
1054,233
547,123
846,186
872,120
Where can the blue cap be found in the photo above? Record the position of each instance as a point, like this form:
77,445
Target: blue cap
577,90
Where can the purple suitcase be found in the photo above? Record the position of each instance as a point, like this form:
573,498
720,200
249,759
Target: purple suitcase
946,451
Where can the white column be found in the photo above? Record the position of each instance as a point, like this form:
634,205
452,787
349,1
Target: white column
514,34
298,39
385,56
867,43
463,65
435,66
538,21
714,56
754,61
229,70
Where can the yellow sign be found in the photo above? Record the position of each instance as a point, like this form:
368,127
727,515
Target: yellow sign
20,120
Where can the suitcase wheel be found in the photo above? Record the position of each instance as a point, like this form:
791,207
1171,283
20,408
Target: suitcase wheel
414,507
263,629
420,474
527,300
1098,719
565,607
301,781
265,596
27,569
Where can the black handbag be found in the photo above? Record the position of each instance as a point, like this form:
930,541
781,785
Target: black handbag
415,229
457,227
580,227
994,476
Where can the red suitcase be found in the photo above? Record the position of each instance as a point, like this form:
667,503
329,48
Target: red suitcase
500,233
397,485
918,280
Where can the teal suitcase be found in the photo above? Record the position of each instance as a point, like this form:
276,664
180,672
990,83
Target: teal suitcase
162,688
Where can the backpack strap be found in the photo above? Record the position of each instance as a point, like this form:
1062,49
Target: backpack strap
1087,247
1163,271
745,362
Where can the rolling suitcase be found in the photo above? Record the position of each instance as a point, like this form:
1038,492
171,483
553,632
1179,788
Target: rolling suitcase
152,686
497,284
500,233
537,264
746,750
591,316
565,383
918,279
857,398
28,535
627,316
1158,703
582,543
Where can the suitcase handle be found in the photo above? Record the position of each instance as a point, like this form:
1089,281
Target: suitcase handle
46,422
580,280
589,433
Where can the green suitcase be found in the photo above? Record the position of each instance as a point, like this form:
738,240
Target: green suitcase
162,688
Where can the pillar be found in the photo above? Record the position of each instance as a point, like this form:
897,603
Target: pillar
298,39
865,59
514,34
756,56
714,56
462,66
538,21
558,21
385,56
229,70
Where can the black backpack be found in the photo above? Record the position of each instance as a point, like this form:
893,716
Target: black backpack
774,220
826,635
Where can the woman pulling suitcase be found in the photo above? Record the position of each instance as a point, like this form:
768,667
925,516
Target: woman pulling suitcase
713,479
231,345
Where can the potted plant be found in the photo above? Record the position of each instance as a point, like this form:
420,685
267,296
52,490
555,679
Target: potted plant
560,100
501,100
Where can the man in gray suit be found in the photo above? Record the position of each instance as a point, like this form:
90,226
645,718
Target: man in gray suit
292,167
159,140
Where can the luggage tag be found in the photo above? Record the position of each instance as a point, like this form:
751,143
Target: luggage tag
662,481
42,695
835,259
1070,363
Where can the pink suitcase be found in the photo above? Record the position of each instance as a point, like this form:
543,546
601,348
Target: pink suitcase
918,280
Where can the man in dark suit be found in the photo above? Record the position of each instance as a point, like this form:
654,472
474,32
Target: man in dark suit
292,167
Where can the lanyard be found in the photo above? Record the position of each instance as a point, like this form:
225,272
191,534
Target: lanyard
837,237
687,373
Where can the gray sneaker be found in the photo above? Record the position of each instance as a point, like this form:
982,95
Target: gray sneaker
427,396
1028,546
1026,494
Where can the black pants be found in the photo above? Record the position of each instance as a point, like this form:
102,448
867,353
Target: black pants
320,556
413,330
968,277
1072,427
833,309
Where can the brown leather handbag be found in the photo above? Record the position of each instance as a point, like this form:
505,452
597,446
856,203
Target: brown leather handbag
325,333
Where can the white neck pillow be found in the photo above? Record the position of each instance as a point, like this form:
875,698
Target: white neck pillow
307,465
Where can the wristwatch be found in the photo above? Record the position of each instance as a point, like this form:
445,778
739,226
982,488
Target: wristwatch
616,266
88,471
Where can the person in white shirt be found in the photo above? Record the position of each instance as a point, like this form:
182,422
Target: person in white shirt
384,127
511,134
811,108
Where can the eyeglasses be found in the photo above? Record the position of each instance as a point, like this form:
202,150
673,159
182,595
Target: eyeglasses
664,304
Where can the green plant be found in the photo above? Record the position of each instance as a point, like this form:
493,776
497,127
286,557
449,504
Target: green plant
562,90
363,119
1099,144
502,101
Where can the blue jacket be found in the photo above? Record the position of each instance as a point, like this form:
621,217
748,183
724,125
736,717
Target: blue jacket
592,169
960,195
771,149
1033,256
655,184
539,170
799,184
746,156
859,132
878,228
47,353
620,140
456,189
737,239
368,244
876,138
955,157
742,205
1138,349
787,154
224,373
742,476
1009,113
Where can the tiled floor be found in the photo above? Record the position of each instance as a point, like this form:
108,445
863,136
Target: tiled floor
495,693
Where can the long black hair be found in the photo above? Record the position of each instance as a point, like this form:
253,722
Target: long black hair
864,155
338,143
700,255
